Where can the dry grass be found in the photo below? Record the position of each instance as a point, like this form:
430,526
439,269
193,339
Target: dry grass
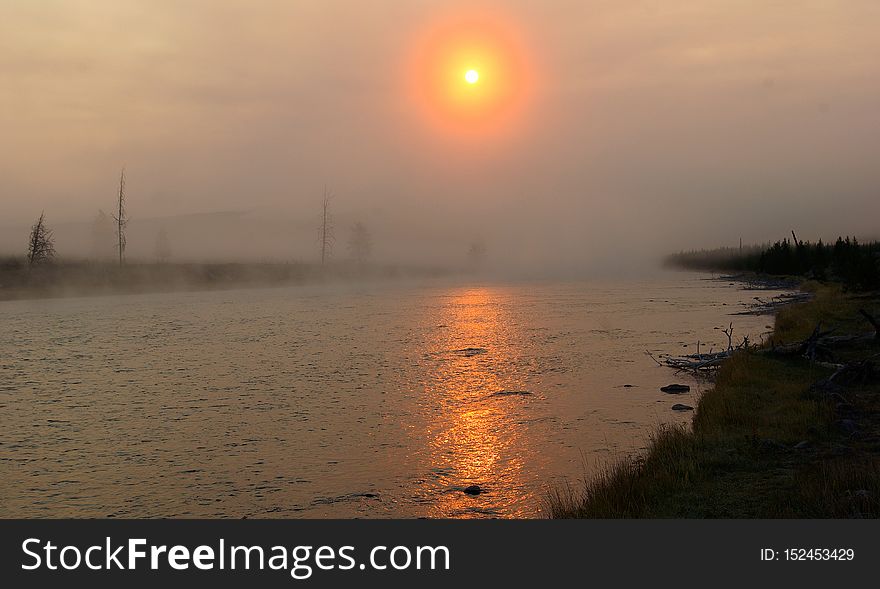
739,459
624,489
762,397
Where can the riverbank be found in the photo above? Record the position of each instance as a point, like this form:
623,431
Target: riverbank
773,438
84,278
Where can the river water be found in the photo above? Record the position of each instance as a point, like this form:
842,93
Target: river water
380,400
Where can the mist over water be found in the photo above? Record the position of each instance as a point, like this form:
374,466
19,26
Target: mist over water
646,128
346,401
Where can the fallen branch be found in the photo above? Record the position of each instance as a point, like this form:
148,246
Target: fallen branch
767,307
818,347
651,356
701,363
821,343
874,323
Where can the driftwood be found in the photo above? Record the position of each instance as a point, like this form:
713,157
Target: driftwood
846,375
809,346
706,363
770,306
818,347
874,323
759,282
701,363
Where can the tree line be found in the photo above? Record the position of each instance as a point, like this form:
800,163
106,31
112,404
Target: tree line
847,260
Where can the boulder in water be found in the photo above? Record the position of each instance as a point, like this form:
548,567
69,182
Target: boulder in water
468,352
680,407
511,394
473,490
675,389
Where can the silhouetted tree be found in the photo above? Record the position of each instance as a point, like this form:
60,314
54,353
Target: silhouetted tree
163,246
477,253
121,220
857,265
41,245
360,244
326,227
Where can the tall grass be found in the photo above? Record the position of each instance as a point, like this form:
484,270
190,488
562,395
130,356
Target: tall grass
739,458
626,488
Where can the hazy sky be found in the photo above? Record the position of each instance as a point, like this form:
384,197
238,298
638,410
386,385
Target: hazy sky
645,125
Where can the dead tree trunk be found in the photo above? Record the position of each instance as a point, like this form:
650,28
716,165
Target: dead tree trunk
326,227
120,219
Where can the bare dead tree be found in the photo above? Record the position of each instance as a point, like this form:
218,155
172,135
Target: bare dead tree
360,244
729,333
121,220
326,227
477,253
41,245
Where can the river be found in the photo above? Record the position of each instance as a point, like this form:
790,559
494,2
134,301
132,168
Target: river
377,400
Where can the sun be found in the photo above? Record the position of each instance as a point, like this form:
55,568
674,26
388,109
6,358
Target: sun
470,75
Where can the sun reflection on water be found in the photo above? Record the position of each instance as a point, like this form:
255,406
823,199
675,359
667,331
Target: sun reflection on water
474,434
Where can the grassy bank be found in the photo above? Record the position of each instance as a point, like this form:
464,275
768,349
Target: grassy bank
765,442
